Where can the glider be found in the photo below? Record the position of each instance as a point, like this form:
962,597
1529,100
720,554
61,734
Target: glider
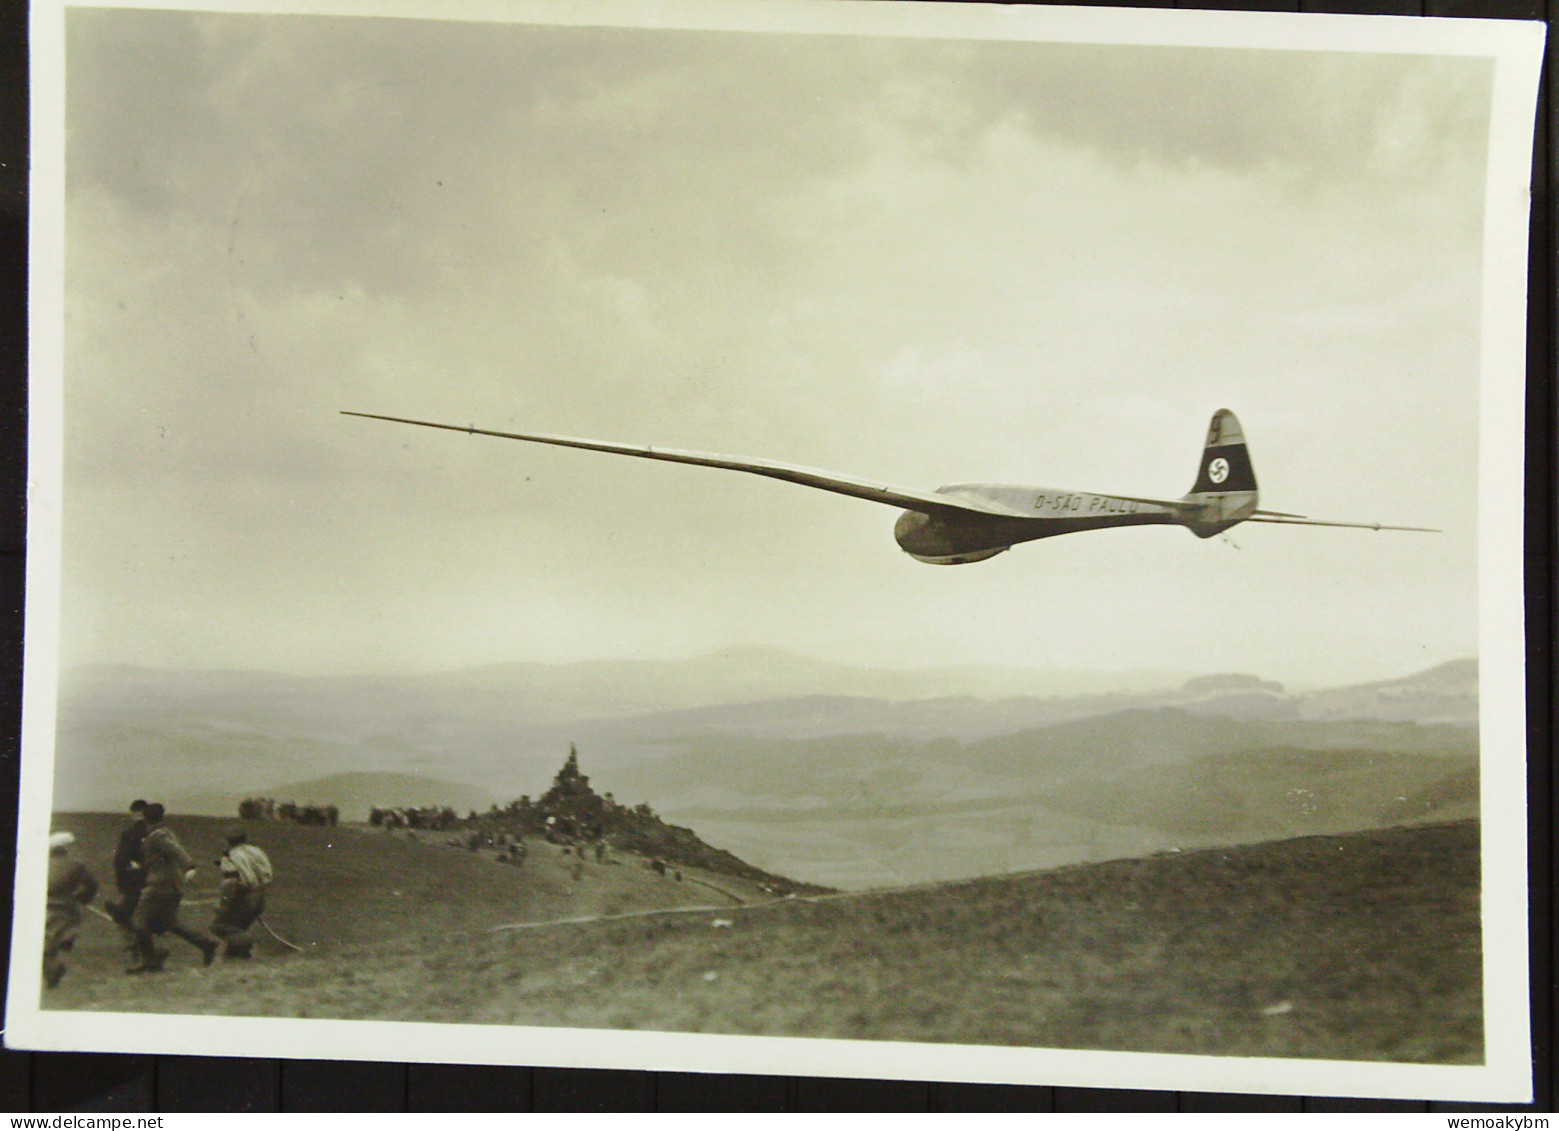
969,522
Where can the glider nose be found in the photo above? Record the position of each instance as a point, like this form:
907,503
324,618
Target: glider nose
912,532
938,542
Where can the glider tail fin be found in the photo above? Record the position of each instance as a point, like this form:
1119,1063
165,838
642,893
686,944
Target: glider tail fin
1225,488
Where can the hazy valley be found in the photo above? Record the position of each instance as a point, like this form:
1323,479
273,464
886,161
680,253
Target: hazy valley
845,776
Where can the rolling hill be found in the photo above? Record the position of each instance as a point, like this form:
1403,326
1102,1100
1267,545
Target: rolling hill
864,811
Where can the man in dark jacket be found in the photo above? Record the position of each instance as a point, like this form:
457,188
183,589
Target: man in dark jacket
168,869
129,865
71,887
129,876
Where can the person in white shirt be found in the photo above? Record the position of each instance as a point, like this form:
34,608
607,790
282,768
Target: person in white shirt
246,873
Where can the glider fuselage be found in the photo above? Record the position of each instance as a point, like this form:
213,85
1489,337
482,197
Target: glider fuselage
1018,514
1026,514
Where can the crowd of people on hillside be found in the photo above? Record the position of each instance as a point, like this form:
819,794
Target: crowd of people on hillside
436,818
572,816
510,847
269,809
152,871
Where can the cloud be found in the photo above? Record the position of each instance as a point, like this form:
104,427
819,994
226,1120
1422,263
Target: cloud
920,261
339,152
1307,116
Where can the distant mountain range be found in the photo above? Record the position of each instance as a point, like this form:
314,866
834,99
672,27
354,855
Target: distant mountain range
859,810
754,745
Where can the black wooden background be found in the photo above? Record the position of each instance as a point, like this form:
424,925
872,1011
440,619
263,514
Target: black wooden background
54,1082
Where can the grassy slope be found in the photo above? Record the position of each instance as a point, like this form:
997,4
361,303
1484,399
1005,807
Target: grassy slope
1364,946
353,886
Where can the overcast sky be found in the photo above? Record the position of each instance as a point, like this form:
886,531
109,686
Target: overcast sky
918,261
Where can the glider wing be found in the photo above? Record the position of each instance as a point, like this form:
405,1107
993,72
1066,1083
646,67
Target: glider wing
924,501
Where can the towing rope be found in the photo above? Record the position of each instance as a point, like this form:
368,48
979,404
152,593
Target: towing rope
101,914
272,932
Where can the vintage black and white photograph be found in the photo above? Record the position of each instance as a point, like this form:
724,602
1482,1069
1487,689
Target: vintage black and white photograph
885,539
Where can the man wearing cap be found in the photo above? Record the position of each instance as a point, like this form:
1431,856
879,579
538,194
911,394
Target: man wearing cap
246,873
71,887
168,868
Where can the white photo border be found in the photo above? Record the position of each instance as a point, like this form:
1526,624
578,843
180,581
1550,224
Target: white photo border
1515,47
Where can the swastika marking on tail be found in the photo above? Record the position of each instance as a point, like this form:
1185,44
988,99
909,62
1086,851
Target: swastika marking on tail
1218,470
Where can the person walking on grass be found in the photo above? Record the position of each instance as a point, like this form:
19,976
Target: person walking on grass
129,875
71,887
168,869
246,873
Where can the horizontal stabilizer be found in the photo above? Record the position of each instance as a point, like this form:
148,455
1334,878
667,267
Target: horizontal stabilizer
1269,516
